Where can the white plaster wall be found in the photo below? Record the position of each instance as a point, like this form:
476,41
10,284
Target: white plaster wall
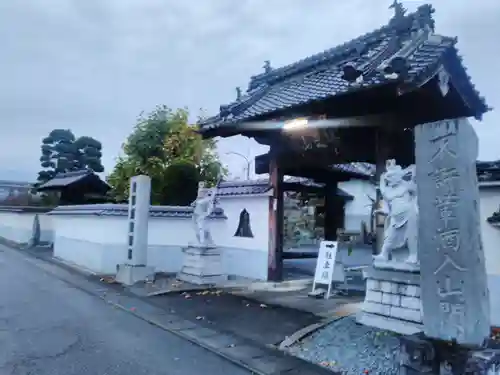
245,257
98,243
489,201
18,226
358,209
89,241
258,209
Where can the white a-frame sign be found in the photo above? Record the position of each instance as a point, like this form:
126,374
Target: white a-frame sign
326,266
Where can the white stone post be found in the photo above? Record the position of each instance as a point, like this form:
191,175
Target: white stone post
135,268
138,215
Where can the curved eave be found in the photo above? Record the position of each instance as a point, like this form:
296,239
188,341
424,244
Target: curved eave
461,81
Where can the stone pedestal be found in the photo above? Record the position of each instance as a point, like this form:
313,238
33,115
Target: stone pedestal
202,265
392,300
129,274
421,355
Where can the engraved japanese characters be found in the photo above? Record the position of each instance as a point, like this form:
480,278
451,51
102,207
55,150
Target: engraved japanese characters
455,298
398,189
203,208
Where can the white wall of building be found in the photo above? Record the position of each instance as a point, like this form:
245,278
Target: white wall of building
358,209
489,202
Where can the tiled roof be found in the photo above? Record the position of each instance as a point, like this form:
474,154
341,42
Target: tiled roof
261,187
365,169
109,209
248,187
66,179
406,46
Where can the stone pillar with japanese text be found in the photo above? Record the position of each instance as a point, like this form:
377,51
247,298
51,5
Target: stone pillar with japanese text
454,291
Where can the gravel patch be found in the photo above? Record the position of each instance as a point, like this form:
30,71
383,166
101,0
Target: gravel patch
352,349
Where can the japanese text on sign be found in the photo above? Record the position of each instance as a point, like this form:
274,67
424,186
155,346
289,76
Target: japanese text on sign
449,274
325,265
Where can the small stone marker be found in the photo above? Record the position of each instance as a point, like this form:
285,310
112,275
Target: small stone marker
455,298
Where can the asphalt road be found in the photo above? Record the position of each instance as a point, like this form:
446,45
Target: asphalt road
48,327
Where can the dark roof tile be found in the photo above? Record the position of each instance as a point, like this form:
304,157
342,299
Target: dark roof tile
67,178
109,209
261,186
322,75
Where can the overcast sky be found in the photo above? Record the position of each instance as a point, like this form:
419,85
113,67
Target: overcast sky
94,65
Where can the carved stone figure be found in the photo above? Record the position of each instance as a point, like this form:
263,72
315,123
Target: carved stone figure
203,207
398,189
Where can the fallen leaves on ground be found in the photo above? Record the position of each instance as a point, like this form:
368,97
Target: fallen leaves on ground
108,280
328,363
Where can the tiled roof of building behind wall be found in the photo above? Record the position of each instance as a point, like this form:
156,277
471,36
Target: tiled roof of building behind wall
261,187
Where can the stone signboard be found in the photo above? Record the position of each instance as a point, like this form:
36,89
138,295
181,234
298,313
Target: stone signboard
455,298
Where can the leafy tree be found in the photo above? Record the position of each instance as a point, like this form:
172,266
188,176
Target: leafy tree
181,184
63,152
164,146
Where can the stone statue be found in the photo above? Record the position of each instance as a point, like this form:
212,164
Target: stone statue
203,207
398,189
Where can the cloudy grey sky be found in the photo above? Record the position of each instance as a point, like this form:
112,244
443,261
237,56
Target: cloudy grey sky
94,65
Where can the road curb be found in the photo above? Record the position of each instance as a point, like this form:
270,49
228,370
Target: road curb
306,331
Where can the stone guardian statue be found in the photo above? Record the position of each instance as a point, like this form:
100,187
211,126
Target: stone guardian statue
399,192
203,208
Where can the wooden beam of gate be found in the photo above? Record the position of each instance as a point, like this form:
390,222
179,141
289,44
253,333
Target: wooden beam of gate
301,123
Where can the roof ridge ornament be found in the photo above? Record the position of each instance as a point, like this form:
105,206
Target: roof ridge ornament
399,10
267,66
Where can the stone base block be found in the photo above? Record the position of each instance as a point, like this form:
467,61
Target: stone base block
202,266
392,300
393,265
129,274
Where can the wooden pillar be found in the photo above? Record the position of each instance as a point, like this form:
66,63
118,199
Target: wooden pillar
334,211
275,250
